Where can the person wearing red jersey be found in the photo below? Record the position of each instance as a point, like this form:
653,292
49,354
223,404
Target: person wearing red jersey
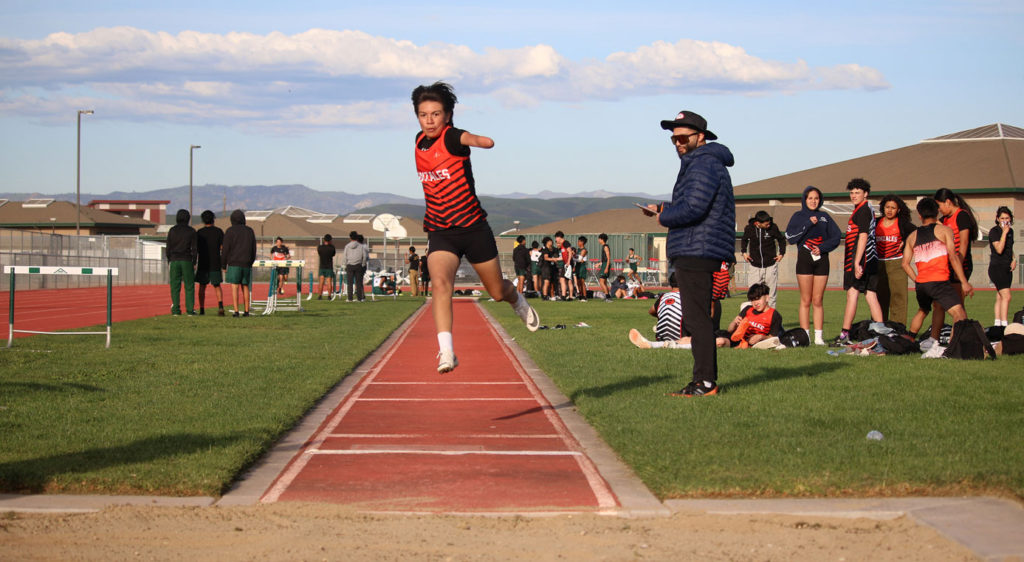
860,262
455,222
757,321
932,250
958,216
890,235
719,290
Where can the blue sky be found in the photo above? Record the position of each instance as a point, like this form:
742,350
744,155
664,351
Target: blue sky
317,93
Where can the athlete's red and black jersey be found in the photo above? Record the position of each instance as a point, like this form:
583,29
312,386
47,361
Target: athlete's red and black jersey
930,256
720,282
889,240
862,220
958,221
448,186
767,322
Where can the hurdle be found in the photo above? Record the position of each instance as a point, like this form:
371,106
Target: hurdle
110,272
273,302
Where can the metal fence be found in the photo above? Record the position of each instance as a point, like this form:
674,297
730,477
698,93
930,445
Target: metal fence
138,262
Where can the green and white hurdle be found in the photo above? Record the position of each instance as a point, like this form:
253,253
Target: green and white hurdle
274,302
110,272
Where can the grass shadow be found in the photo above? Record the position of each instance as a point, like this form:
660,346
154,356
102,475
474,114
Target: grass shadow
33,475
783,373
620,386
13,387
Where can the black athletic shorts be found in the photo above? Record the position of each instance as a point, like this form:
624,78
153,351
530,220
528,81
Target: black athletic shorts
867,282
1000,275
476,242
936,291
806,264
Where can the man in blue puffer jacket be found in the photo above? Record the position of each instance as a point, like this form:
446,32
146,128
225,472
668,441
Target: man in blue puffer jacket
701,222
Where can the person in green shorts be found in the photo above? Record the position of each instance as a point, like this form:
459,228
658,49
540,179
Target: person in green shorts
239,251
606,266
181,259
535,256
580,272
326,252
209,240
634,262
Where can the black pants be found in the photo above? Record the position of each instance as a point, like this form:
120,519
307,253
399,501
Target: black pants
354,274
695,294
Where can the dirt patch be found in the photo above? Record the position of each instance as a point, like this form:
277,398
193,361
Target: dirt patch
289,531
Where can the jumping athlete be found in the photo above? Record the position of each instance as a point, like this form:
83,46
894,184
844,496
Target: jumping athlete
455,222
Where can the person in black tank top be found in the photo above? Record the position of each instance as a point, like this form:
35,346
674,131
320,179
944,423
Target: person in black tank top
454,220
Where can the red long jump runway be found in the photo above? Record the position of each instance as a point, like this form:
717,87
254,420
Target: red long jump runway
51,310
479,439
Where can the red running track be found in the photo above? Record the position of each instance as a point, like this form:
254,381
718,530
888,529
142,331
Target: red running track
479,439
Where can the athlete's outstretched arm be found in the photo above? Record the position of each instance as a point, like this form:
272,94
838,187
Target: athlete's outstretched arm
478,141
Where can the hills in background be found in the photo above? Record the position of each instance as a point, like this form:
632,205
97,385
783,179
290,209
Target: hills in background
528,209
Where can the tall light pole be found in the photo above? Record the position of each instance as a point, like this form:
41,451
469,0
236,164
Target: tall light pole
78,174
191,149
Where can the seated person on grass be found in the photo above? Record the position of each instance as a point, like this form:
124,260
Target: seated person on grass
670,332
757,321
931,249
620,289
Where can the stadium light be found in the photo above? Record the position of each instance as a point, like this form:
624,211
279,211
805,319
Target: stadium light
191,149
78,174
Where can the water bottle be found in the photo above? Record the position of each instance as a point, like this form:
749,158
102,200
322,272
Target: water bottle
875,435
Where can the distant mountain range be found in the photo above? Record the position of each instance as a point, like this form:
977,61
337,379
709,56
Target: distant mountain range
528,209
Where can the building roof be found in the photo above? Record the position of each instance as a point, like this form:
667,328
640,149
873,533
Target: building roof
985,158
612,221
46,213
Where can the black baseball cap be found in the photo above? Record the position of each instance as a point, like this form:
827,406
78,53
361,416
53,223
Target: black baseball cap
689,119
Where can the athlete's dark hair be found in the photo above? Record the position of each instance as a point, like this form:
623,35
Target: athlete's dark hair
535,244
1001,210
584,238
944,194
757,290
859,183
412,248
208,217
520,239
902,210
602,236
440,92
278,239
328,238
928,208
545,240
559,234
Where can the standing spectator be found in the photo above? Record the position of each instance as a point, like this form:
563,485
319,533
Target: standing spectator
521,262
763,247
815,234
549,257
425,274
455,221
605,269
181,258
326,252
352,255
365,263
209,241
1002,262
890,237
701,221
280,252
413,259
536,265
719,291
958,216
581,268
239,254
565,271
860,260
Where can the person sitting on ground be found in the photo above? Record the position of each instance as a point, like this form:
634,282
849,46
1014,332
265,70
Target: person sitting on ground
620,289
670,332
932,249
757,321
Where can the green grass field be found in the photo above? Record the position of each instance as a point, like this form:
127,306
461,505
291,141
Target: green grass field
181,405
791,422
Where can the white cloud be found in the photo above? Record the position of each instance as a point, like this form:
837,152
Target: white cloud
328,78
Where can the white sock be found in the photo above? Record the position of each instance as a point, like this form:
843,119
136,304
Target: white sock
817,334
444,341
808,330
657,344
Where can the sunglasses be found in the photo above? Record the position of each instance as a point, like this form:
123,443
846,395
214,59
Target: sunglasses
681,139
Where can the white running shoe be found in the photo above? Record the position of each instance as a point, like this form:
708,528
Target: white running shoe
638,340
527,314
446,361
819,341
934,352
